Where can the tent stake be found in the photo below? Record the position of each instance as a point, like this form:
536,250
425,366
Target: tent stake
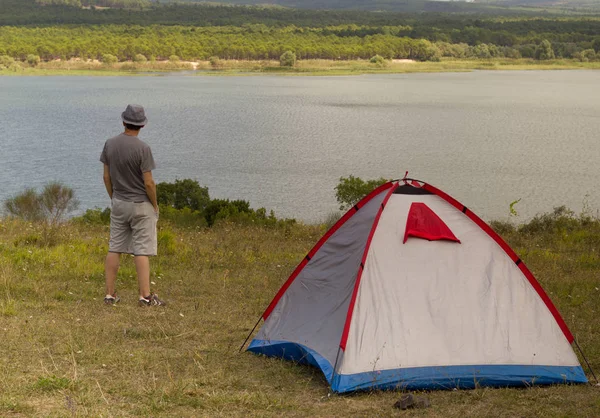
586,360
248,337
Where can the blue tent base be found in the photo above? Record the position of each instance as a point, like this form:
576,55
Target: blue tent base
294,352
424,378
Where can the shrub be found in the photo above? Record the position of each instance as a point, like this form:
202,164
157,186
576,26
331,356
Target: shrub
15,66
25,205
287,59
57,201
560,219
481,51
95,216
109,59
139,58
224,208
544,51
502,227
377,60
185,217
174,58
186,203
33,60
51,205
6,61
588,55
350,190
214,62
183,194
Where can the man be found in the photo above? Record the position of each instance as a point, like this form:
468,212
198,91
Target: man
128,165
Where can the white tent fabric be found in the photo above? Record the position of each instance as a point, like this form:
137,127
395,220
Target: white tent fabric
373,311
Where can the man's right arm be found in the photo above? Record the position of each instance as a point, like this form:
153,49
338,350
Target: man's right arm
151,189
107,181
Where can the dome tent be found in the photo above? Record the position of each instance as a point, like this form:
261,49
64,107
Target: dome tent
410,289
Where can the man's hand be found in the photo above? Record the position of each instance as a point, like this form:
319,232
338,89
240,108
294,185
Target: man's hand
151,190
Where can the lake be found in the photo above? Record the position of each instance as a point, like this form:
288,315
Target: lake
282,142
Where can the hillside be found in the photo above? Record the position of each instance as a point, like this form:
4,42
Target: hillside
66,354
403,6
581,5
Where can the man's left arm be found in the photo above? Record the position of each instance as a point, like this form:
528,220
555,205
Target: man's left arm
107,181
151,189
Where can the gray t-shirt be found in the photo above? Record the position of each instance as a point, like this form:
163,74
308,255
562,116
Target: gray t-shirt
128,158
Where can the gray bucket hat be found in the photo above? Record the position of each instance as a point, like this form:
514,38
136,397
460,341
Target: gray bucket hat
134,115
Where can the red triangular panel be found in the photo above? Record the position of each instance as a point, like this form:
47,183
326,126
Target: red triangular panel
423,223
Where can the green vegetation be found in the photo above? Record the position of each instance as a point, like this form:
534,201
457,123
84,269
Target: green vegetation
302,68
185,203
378,60
50,205
287,59
351,189
224,33
66,354
121,4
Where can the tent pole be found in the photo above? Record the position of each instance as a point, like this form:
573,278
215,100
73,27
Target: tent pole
337,357
248,337
586,360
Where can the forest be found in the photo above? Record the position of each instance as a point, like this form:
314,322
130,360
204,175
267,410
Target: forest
198,32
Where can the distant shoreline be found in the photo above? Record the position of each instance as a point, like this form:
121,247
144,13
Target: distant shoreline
302,67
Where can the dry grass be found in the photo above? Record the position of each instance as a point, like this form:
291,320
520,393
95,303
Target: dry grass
66,354
303,67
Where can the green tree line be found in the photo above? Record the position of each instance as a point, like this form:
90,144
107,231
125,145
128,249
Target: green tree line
260,42
426,25
121,4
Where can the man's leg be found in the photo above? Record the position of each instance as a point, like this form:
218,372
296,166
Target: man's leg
111,268
142,267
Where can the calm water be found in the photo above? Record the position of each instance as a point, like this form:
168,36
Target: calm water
487,138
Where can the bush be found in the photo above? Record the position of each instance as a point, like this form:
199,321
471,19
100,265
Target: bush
95,216
185,217
502,227
377,60
33,60
544,51
139,58
109,59
186,203
25,205
560,219
174,58
51,205
287,59
224,208
587,55
6,61
183,194
15,66
57,201
350,190
215,62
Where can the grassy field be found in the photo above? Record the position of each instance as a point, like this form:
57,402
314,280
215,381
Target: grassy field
303,67
64,353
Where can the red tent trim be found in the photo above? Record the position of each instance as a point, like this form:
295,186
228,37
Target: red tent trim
344,338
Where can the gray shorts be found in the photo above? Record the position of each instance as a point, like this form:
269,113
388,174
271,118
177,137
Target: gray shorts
132,228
